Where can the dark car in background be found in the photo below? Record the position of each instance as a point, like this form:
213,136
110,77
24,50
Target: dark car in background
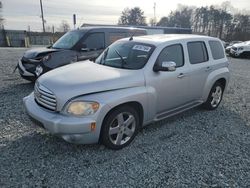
76,45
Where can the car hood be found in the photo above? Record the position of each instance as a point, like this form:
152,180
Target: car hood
33,53
242,44
87,77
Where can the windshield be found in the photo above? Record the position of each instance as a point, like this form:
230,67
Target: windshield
68,40
126,55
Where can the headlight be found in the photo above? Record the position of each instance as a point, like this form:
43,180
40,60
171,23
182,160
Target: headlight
46,58
82,108
39,70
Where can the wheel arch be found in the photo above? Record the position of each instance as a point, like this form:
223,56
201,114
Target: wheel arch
134,104
221,76
222,81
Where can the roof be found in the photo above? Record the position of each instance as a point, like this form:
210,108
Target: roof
162,27
161,38
110,27
138,26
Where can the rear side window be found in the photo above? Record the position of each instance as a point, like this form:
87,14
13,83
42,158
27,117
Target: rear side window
216,49
172,53
197,52
95,41
136,33
114,36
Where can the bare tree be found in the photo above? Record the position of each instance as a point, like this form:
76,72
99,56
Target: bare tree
152,22
219,21
212,21
64,26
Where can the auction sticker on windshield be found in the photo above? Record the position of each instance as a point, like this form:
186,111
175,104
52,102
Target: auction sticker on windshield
141,48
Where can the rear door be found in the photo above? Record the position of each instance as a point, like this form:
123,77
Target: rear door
200,67
114,36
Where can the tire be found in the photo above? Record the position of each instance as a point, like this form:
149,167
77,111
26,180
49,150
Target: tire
214,97
116,134
237,55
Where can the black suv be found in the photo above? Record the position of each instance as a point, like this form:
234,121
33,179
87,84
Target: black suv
76,45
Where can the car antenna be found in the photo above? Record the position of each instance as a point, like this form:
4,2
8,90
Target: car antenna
131,38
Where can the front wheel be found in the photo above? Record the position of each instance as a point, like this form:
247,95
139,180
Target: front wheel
214,97
236,55
120,127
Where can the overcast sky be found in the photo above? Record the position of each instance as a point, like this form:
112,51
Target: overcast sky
19,14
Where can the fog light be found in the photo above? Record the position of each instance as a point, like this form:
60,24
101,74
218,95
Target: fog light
39,70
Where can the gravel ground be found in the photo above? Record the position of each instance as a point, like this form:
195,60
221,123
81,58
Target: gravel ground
195,149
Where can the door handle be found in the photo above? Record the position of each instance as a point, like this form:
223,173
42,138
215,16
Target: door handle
181,75
208,68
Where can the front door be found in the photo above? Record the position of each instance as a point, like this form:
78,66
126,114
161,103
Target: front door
92,46
170,86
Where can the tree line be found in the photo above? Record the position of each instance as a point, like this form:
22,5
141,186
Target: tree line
217,21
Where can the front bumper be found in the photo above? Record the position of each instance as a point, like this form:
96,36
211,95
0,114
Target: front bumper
23,71
234,52
72,129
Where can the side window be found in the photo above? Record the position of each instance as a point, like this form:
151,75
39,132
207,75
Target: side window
116,36
136,33
216,49
172,53
95,41
197,52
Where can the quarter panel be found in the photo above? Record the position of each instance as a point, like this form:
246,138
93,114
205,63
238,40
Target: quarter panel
213,77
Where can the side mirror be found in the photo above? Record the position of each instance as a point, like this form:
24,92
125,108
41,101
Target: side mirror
84,48
165,66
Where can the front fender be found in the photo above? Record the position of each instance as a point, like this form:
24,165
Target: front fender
117,97
61,58
212,78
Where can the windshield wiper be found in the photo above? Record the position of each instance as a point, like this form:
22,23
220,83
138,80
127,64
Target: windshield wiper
104,56
123,60
55,47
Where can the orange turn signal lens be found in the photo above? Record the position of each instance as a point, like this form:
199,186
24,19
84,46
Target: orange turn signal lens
93,126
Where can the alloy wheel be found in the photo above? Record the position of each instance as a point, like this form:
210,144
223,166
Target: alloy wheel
216,96
122,128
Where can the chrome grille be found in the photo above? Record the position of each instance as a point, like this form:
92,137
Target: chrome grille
44,97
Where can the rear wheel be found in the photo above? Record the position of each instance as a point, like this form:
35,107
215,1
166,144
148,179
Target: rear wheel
120,127
215,97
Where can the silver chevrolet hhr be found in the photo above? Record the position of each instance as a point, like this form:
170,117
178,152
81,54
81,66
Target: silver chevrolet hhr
134,82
